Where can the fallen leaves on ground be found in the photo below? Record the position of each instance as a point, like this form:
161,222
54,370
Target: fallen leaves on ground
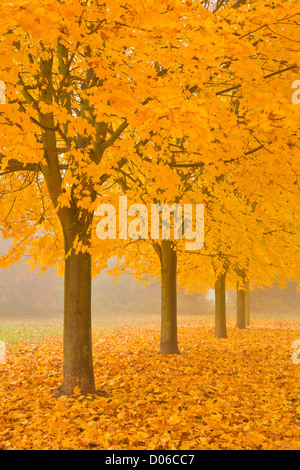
239,393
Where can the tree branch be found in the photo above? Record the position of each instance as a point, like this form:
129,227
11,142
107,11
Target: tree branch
115,135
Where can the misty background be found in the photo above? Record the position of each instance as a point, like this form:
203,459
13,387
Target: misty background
26,294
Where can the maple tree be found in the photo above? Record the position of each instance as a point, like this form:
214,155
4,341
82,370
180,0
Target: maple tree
265,179
94,90
80,126
77,76
256,161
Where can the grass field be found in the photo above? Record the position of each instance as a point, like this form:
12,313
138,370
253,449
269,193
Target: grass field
239,393
29,329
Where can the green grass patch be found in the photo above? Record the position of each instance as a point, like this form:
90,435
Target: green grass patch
29,331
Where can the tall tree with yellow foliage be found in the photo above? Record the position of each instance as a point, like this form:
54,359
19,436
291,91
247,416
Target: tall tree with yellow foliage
84,95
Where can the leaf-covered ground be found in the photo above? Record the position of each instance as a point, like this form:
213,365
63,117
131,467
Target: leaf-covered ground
239,393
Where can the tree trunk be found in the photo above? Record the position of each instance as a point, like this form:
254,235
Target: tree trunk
78,361
247,304
77,356
168,338
240,306
220,307
75,222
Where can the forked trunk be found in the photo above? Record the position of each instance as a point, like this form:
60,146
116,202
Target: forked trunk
220,307
168,338
75,222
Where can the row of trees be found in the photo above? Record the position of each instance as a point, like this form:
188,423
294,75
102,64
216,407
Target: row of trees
164,102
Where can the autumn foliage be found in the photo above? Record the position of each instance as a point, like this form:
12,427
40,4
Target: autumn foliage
162,101
239,393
